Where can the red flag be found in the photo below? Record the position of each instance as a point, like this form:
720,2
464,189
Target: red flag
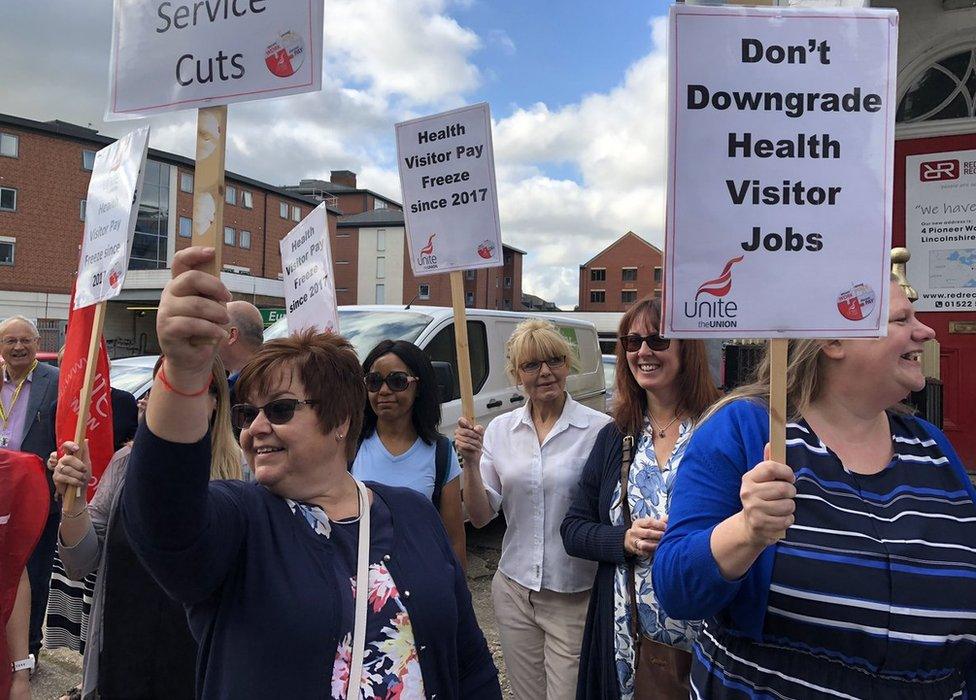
99,432
24,505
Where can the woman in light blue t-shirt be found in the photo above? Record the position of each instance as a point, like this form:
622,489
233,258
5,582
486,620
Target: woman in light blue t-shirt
399,442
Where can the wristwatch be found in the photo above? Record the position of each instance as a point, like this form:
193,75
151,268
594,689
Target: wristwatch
23,665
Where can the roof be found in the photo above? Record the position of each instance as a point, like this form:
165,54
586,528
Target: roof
75,132
374,217
626,235
335,188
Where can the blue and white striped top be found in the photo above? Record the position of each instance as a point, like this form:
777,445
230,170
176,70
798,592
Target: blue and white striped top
873,591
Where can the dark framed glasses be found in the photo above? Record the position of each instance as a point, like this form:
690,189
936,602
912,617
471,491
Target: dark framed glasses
633,342
536,365
397,381
277,412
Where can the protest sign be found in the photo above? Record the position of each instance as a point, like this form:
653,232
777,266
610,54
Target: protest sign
450,203
780,172
110,218
180,55
940,229
306,263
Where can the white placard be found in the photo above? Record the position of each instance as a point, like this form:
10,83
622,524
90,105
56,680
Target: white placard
450,203
780,172
169,55
111,208
940,229
306,264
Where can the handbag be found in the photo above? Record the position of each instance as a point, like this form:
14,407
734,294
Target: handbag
661,671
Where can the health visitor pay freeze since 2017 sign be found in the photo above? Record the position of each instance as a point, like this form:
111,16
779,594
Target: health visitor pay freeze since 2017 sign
450,204
178,54
306,264
940,229
780,170
111,207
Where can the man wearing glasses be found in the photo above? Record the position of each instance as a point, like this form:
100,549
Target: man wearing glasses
28,392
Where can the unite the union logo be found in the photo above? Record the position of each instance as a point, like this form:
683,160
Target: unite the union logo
717,312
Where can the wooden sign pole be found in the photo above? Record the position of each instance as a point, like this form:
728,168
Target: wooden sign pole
461,345
208,182
778,348
84,401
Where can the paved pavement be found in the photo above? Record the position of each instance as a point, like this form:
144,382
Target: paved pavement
61,669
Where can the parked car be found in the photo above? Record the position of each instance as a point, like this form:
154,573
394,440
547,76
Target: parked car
133,374
610,378
432,328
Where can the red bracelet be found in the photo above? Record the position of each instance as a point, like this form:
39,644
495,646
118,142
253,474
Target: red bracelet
161,375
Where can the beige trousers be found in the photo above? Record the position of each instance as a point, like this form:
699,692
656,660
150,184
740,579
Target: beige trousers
540,633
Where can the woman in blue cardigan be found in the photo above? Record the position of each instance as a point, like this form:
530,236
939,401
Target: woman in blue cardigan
850,573
268,570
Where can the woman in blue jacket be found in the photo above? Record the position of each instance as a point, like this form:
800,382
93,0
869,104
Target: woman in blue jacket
268,569
850,573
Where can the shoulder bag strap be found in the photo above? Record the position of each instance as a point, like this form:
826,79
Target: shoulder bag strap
362,594
442,452
627,458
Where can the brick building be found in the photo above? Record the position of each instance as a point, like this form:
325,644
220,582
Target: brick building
628,269
44,172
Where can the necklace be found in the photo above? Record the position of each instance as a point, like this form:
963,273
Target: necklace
661,431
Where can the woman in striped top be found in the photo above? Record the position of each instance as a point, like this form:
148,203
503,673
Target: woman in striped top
850,573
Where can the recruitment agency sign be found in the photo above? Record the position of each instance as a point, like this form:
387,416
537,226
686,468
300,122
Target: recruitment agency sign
780,171
169,55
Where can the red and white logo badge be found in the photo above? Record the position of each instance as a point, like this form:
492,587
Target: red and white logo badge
486,249
721,285
934,170
285,55
429,248
856,303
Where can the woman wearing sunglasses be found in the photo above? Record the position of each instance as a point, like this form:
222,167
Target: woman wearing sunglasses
138,642
399,444
527,463
304,583
658,401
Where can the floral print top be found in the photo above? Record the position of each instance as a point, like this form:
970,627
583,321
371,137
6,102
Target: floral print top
391,668
649,491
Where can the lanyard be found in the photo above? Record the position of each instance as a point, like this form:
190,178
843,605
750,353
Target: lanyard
5,413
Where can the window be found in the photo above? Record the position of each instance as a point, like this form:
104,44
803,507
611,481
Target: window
946,90
380,294
230,236
88,160
657,293
230,194
381,240
469,274
379,204
283,210
7,244
658,274
598,297
247,199
508,283
296,213
507,304
423,292
341,262
380,268
469,298
186,182
186,227
441,349
340,234
150,242
245,241
628,274
9,145
598,274
628,296
81,209
8,199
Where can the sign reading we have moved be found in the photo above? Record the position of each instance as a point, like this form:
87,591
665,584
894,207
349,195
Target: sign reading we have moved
176,54
306,263
780,172
110,218
450,203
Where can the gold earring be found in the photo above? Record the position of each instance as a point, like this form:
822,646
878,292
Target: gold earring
338,437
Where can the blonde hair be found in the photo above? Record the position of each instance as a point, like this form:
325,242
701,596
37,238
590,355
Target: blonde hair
537,339
225,459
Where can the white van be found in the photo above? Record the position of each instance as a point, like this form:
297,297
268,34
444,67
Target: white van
432,329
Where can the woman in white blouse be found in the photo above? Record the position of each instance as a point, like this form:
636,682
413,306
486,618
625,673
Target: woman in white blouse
528,462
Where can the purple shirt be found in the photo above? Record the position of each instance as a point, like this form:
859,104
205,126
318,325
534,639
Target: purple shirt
17,420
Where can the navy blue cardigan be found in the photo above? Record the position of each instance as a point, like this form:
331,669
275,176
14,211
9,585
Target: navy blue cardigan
588,534
259,588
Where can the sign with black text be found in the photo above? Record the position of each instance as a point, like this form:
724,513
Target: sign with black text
306,264
450,202
780,172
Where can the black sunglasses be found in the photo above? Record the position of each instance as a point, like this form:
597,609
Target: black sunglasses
397,381
277,412
633,342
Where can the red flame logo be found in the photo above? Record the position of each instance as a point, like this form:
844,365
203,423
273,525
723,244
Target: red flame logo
429,248
721,285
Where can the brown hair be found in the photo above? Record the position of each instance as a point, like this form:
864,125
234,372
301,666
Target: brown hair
328,367
696,390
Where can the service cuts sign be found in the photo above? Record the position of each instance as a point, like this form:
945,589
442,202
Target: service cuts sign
169,55
780,171
306,262
450,204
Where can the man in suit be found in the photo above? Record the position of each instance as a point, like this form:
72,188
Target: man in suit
27,393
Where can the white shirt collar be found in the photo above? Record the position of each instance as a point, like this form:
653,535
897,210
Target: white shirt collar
573,414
